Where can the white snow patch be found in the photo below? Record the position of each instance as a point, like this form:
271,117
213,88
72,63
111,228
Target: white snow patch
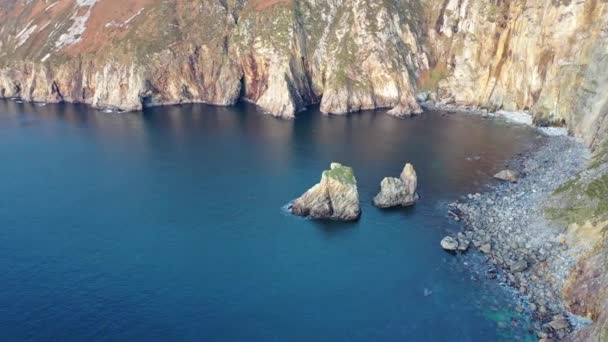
24,35
45,57
51,6
133,16
84,3
126,22
516,117
74,33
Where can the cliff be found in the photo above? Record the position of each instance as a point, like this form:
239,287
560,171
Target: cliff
545,57
280,54
581,204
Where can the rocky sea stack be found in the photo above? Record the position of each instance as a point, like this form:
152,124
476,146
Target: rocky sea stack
398,191
334,197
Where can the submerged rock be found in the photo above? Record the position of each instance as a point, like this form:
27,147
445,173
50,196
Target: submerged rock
334,197
398,191
507,175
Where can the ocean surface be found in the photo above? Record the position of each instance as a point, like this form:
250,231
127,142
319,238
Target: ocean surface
169,225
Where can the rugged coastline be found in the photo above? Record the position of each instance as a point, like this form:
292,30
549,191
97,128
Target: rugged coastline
523,248
285,55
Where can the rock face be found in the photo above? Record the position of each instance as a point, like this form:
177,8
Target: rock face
280,54
547,57
398,191
286,54
544,56
334,197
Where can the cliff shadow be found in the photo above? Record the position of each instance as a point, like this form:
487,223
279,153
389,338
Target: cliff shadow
333,228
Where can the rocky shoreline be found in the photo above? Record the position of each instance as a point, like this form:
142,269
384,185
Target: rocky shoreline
522,248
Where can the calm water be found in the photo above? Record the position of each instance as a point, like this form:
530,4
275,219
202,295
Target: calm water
168,225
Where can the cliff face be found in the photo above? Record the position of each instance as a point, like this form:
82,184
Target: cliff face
118,54
279,54
581,204
548,57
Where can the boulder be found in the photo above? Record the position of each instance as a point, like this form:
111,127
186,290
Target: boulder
507,175
463,245
449,243
519,266
486,248
334,197
406,109
559,322
398,191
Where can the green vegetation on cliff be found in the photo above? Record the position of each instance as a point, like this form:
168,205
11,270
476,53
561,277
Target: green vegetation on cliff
341,173
585,197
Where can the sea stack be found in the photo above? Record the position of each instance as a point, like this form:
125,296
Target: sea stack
334,197
398,191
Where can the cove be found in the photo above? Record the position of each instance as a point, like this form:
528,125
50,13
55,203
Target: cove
170,225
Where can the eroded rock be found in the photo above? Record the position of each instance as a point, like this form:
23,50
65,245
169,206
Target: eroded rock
398,191
334,197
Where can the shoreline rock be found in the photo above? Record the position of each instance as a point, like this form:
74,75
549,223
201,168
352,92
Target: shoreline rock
507,175
334,197
449,243
398,191
524,250
458,244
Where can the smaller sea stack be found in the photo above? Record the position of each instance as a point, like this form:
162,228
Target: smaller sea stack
398,191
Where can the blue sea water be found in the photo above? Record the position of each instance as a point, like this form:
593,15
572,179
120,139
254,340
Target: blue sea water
169,225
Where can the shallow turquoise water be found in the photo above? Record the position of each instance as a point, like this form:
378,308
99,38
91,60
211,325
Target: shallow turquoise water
169,225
